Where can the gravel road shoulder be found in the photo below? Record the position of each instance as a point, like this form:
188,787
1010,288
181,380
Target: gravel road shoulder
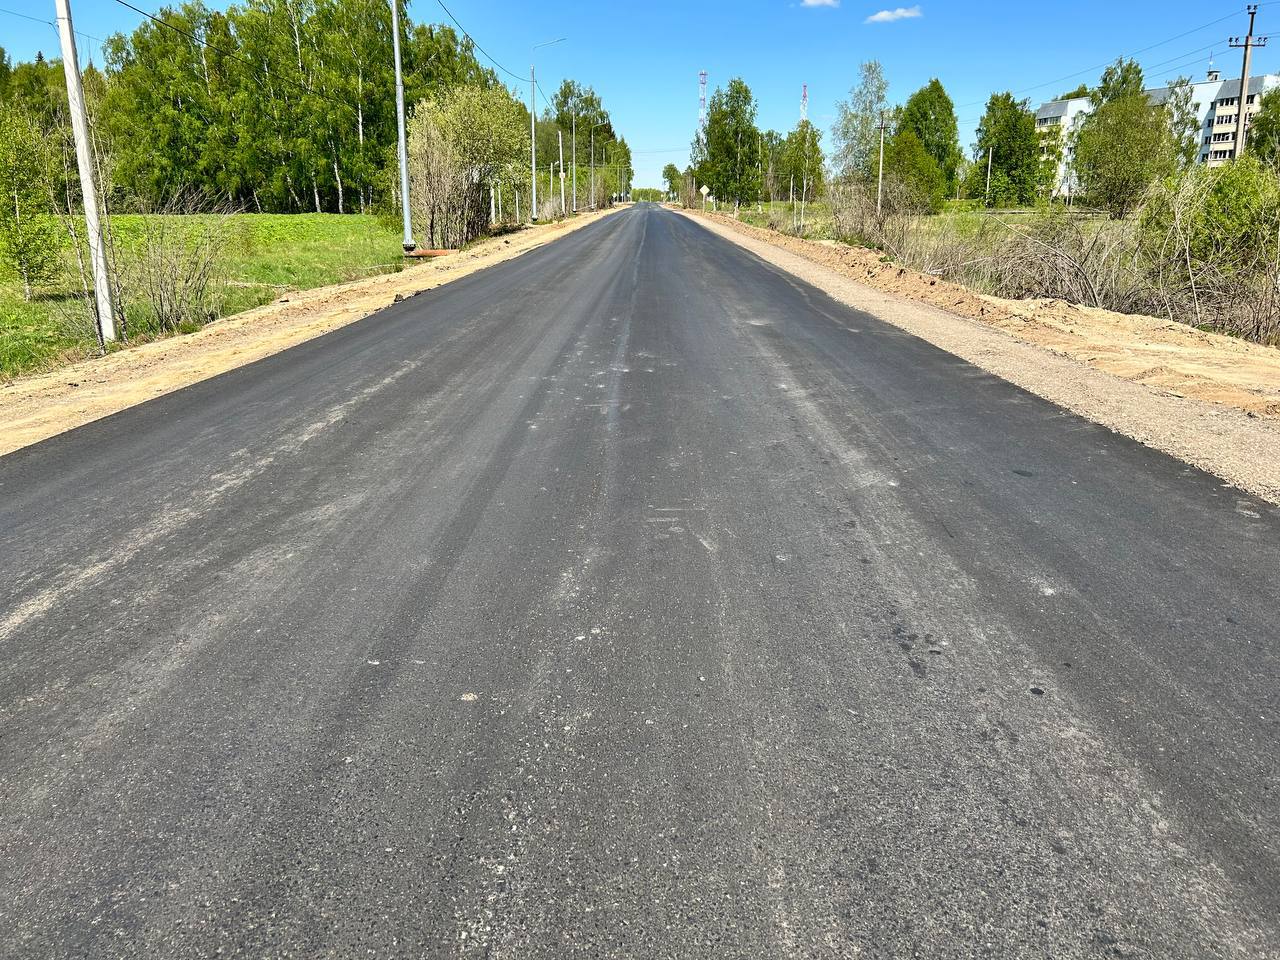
41,406
1209,400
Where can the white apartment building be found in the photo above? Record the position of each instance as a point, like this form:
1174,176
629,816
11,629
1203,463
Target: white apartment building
1215,101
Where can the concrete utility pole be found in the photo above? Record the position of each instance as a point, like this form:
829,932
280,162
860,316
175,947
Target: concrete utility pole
760,168
987,196
403,150
1249,42
88,186
880,176
533,146
573,126
804,153
560,141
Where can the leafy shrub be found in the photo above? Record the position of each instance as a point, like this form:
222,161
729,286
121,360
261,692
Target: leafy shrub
908,162
1209,241
1121,149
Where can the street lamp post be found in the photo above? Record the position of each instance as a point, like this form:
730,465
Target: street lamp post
401,149
600,123
533,135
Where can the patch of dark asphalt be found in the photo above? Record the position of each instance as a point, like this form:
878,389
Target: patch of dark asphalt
616,602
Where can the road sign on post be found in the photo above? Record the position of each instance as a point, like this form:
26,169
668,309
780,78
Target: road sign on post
704,190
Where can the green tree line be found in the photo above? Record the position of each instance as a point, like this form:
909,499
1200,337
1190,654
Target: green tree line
741,163
278,105
1127,141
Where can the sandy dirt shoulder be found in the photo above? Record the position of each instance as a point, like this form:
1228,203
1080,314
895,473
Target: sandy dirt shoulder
41,406
1209,400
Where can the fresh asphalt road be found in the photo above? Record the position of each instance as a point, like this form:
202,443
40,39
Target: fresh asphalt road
631,599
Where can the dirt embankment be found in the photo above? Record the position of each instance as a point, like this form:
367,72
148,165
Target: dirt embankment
35,408
1210,400
1172,357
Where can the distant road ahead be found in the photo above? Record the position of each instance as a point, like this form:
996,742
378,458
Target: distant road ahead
631,599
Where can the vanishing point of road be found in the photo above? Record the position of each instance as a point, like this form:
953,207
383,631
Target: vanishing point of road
631,599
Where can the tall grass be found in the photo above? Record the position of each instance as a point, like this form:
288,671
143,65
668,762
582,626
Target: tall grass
1176,265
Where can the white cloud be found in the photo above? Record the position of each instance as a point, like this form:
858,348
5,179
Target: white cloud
819,3
898,13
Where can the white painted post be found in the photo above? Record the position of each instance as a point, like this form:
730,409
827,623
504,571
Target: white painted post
88,185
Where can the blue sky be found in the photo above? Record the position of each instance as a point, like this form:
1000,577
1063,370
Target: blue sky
647,72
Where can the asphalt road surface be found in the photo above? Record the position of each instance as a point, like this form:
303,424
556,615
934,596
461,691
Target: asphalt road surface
631,599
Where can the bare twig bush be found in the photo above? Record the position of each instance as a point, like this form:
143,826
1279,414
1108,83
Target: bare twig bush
172,268
448,206
891,225
1210,241
690,198
1058,255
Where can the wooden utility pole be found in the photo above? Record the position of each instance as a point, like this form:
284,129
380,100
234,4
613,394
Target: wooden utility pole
88,184
1248,43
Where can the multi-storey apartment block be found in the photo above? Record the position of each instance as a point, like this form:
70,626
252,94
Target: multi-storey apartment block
1215,101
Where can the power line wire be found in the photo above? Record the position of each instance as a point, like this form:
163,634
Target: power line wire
1182,60
489,57
54,27
473,41
15,13
1069,76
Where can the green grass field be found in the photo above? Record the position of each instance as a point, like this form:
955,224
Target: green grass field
260,256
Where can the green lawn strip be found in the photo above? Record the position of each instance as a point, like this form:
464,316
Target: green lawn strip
261,256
